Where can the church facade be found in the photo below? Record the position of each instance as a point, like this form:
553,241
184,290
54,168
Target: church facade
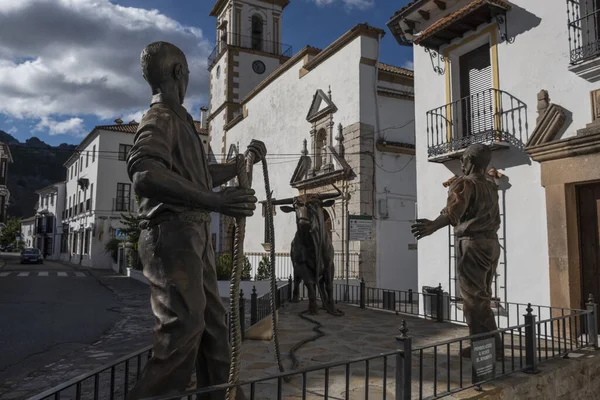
329,117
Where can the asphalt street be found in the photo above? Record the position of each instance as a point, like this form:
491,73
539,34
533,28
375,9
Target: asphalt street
48,311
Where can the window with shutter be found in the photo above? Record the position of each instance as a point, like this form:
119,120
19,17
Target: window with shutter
477,102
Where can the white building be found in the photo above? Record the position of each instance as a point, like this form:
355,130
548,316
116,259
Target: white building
332,116
98,192
48,226
28,231
482,67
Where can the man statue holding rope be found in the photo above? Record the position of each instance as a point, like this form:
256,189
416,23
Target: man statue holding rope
472,209
170,173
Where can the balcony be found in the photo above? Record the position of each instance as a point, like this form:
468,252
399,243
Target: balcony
248,42
491,117
583,18
123,204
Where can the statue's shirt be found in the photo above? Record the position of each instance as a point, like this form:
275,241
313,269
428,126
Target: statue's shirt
167,134
472,206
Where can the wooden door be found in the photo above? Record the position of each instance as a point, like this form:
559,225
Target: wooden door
588,199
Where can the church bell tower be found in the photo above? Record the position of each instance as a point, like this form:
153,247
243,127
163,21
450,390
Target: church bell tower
248,48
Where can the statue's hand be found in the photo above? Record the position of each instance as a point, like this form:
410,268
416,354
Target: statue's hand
258,149
422,227
237,202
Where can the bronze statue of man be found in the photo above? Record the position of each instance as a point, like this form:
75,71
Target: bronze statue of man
472,209
170,173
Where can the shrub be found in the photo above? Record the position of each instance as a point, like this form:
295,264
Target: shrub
264,269
112,247
225,266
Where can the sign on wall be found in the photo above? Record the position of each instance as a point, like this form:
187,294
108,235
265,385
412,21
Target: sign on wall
120,235
361,227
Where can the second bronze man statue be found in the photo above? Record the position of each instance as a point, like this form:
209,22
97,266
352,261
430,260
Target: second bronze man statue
170,173
472,209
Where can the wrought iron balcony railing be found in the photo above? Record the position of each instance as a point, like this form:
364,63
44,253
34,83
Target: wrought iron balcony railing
491,116
583,18
248,42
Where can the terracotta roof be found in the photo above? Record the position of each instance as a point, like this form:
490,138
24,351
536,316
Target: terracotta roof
451,18
132,127
395,70
407,6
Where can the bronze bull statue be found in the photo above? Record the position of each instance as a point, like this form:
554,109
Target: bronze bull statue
312,251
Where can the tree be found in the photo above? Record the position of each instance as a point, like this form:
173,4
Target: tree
264,269
225,267
10,232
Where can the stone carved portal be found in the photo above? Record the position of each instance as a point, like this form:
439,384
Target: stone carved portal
320,115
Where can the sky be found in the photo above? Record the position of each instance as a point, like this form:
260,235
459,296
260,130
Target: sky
69,65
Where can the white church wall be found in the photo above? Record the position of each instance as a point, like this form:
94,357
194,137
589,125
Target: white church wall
277,116
248,79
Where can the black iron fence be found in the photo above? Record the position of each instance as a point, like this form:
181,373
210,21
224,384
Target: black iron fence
258,265
428,371
248,42
583,19
489,116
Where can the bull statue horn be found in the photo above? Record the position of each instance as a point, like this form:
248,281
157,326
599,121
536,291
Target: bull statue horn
327,196
280,202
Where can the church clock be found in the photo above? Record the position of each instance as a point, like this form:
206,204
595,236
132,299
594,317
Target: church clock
258,67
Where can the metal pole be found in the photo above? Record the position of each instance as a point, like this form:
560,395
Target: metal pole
403,364
347,252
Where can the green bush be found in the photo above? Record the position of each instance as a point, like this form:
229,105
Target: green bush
225,266
264,269
112,247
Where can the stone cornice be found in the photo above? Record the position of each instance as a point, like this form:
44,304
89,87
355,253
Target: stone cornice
583,143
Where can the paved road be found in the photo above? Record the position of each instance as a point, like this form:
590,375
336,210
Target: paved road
48,312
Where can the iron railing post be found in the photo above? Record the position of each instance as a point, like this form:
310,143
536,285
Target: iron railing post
410,296
592,321
290,282
403,364
242,313
253,306
362,293
439,296
530,347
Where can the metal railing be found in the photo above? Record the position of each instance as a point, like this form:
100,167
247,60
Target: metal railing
583,19
428,371
489,116
248,42
284,267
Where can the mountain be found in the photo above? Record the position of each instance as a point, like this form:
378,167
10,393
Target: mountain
35,165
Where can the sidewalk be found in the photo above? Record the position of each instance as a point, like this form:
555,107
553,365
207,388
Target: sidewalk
132,332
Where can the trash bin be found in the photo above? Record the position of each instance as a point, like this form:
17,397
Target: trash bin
430,293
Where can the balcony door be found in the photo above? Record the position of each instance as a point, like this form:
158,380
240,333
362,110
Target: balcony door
476,102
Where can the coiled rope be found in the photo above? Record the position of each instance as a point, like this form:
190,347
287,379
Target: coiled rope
244,173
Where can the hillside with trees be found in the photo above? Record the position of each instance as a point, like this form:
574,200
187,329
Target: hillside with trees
36,165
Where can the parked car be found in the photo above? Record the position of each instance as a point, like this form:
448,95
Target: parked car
9,248
32,256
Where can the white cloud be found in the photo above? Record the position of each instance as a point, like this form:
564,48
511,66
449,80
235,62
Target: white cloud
12,130
81,57
408,65
73,126
348,4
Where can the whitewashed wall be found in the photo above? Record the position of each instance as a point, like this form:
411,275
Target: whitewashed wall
538,59
248,79
279,119
28,233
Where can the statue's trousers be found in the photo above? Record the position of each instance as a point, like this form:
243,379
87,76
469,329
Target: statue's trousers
190,331
476,262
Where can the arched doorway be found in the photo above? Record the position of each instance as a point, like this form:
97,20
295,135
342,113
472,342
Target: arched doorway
257,32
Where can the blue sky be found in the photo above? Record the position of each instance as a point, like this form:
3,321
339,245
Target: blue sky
59,90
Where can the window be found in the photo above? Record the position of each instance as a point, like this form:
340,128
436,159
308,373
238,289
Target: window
71,172
80,163
76,168
94,153
257,32
584,29
87,158
86,245
124,150
52,199
123,197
